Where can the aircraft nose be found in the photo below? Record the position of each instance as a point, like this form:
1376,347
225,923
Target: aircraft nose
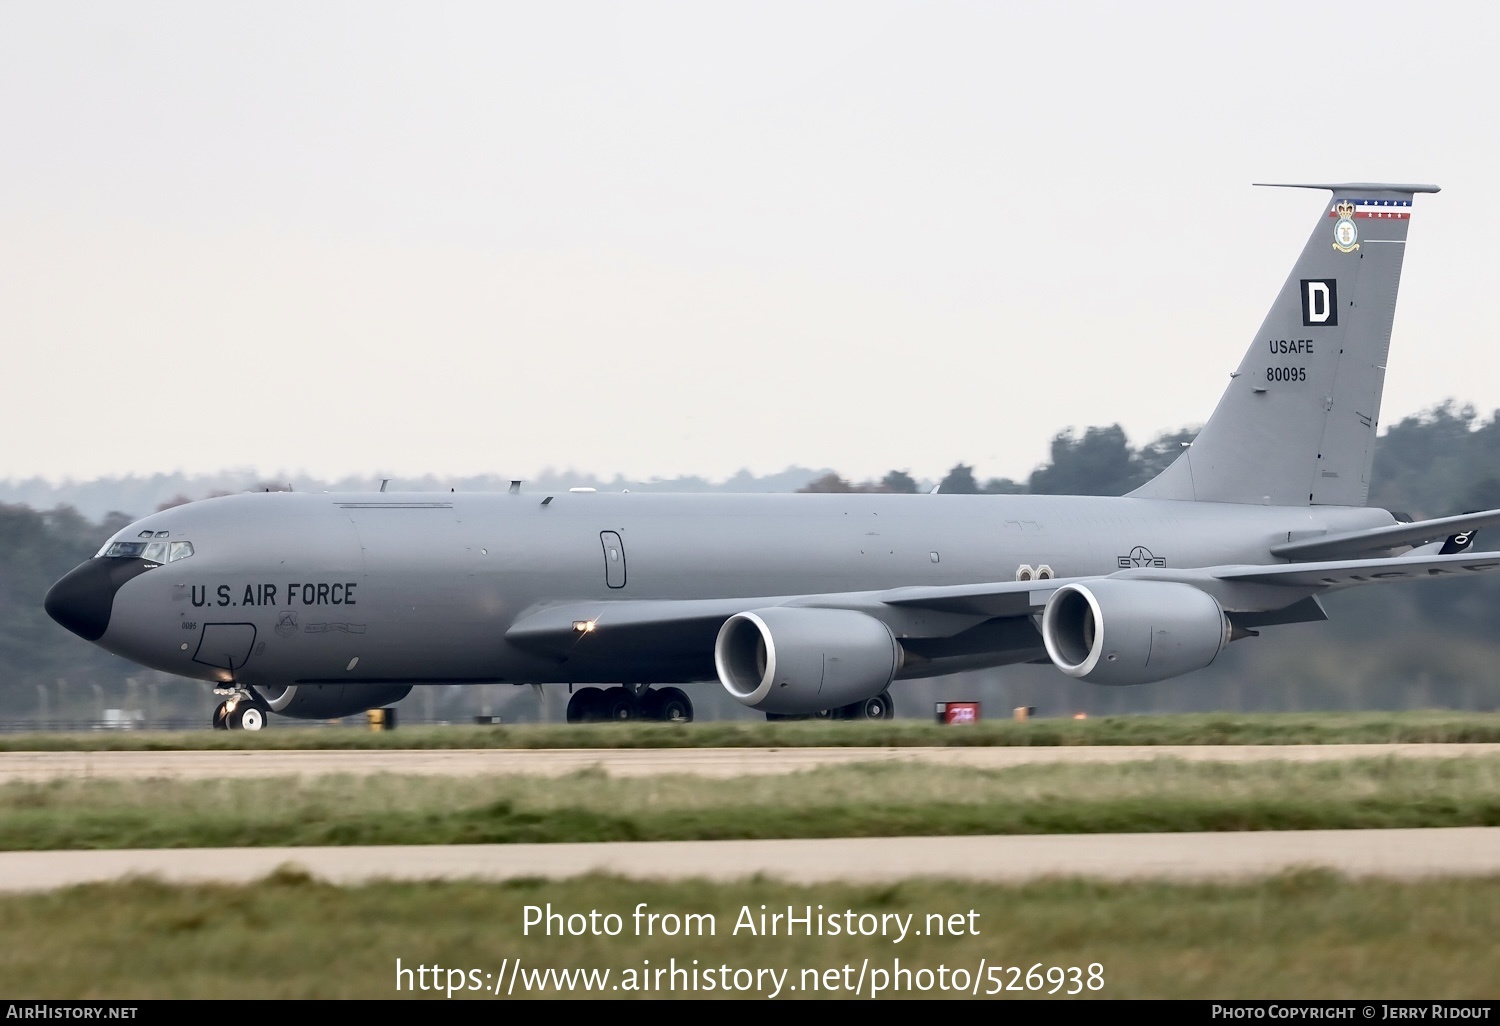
83,599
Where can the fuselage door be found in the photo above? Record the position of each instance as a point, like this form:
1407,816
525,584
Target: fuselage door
225,645
614,559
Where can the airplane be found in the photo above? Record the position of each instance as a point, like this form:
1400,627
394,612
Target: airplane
807,605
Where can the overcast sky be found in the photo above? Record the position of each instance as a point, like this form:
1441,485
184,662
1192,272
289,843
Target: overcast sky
666,238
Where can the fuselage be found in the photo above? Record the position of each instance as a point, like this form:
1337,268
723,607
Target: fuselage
285,588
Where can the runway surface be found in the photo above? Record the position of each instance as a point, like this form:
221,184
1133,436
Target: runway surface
1400,854
638,762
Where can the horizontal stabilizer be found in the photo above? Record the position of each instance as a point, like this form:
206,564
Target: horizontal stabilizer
1378,539
1350,186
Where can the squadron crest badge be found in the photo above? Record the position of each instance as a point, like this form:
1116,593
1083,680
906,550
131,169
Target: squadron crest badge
1345,234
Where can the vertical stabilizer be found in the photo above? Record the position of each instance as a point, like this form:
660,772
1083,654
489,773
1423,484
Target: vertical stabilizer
1296,427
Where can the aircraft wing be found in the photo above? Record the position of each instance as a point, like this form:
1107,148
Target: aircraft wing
1002,598
629,624
1378,539
1020,598
637,625
1348,572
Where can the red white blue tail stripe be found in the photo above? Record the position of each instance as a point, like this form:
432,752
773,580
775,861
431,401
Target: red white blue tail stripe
1387,209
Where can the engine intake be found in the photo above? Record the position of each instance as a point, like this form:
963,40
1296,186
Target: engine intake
1132,632
330,701
794,660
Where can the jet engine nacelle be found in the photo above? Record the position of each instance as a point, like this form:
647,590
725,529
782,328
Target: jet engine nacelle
330,701
795,660
1132,632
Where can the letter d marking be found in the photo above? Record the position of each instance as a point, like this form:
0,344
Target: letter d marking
1319,303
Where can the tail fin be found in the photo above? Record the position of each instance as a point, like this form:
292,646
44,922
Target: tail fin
1296,427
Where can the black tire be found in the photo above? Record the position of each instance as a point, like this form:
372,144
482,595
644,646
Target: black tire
672,705
619,706
583,707
880,707
220,721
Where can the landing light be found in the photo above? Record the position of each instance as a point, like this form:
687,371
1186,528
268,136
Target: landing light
584,626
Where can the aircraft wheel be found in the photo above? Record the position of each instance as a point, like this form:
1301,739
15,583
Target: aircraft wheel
583,707
221,716
828,714
881,707
619,705
672,705
251,717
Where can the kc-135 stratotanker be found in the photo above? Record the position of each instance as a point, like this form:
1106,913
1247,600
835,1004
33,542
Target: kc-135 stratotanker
324,605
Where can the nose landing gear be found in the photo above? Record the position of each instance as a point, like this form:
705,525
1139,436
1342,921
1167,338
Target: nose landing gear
244,710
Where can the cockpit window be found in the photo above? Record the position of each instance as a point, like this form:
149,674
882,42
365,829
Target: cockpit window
133,548
156,551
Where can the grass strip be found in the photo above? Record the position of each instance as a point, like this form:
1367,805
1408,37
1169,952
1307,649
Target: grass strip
871,800
1183,729
1297,935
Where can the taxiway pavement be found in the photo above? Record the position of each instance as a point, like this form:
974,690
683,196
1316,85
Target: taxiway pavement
641,762
1399,854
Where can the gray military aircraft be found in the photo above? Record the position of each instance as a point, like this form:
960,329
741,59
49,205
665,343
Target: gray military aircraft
323,605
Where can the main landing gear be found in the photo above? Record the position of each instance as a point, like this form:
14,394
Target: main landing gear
881,707
243,710
596,705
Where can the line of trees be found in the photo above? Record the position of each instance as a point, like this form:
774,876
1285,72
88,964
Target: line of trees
1098,462
1444,460
1386,647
